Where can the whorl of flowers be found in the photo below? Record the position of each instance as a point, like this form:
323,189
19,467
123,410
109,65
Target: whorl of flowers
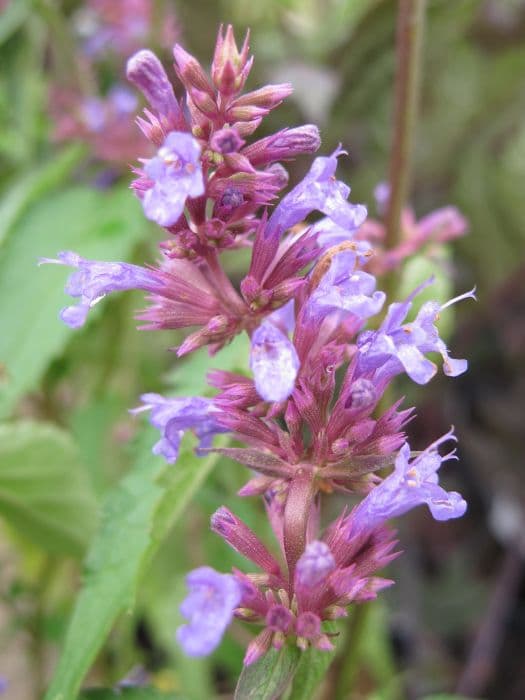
309,302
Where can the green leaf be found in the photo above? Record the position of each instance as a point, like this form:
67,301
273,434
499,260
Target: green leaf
12,17
269,677
34,184
103,225
311,670
136,516
44,493
126,694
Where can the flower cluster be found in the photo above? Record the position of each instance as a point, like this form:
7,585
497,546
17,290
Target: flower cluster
315,416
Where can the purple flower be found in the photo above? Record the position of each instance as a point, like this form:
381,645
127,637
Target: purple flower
94,279
319,190
209,608
395,348
329,234
412,483
176,174
273,361
345,289
146,72
315,564
174,416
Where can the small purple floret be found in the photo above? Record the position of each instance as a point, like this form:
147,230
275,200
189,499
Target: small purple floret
315,564
173,417
274,362
398,347
344,289
318,191
412,483
209,609
94,279
176,174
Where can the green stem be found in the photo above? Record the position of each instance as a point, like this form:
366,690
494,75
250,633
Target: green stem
342,674
410,23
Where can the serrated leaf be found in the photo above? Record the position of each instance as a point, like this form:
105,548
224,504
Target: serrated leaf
135,517
312,668
269,677
44,493
104,225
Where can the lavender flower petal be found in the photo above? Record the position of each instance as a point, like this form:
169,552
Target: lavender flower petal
412,483
209,608
94,279
274,362
173,417
345,289
319,190
176,174
398,347
314,565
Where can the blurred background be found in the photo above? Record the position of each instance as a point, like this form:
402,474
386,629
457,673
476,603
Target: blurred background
455,621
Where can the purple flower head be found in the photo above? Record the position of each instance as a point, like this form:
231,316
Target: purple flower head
273,361
314,565
346,290
172,417
209,608
398,347
318,190
176,174
409,485
94,279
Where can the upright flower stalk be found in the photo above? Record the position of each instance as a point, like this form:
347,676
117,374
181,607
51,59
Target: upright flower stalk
314,416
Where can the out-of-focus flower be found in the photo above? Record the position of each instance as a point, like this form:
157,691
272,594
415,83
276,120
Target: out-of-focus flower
209,608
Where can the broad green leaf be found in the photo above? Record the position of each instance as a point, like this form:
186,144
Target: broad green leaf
12,17
104,225
312,668
136,516
34,184
269,677
44,493
126,694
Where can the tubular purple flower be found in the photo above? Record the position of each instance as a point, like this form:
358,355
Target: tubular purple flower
395,348
209,608
319,190
412,483
314,565
329,234
176,174
284,145
95,279
345,289
146,72
274,362
173,417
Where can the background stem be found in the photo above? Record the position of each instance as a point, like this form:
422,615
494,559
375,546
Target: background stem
409,36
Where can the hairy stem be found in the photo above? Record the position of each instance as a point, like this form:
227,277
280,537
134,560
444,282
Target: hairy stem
410,23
